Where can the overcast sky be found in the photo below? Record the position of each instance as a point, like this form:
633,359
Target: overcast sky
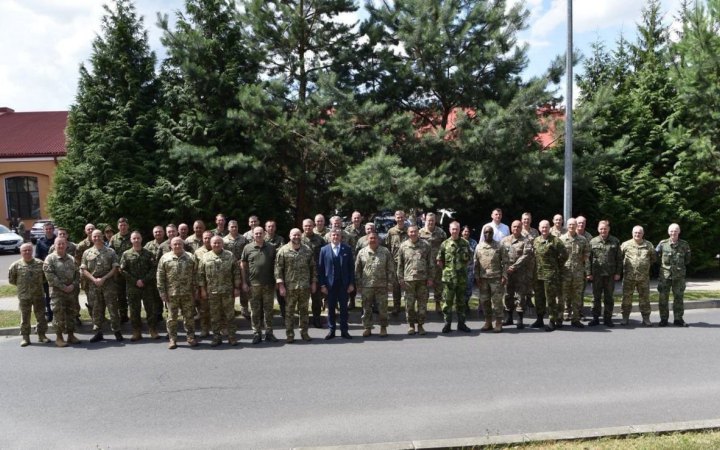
44,41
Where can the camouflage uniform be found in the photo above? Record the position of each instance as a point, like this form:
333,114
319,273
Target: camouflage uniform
455,255
297,270
121,243
491,263
71,250
637,261
194,242
557,233
219,275
315,243
374,272
532,233
354,236
222,234
415,267
674,259
151,292
519,282
140,265
176,279
604,263
236,246
99,263
395,237
550,256
29,278
165,247
60,272
277,241
435,239
573,273
260,261
203,307
82,246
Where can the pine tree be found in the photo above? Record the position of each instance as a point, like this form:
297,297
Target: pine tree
111,153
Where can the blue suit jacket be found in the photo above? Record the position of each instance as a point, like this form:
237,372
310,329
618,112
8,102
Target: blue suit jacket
326,269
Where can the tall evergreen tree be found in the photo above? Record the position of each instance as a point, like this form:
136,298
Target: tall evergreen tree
212,115
111,159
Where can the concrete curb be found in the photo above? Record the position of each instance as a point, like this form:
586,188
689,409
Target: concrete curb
550,436
690,304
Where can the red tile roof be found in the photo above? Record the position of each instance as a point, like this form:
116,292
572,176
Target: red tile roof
32,134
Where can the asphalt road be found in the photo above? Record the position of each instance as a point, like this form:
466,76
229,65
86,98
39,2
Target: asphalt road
111,395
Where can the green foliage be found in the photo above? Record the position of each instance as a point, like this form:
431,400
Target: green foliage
111,160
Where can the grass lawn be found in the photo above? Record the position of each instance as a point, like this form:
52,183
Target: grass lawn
686,441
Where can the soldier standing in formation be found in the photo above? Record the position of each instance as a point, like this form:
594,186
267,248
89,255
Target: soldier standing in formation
435,236
139,269
315,243
674,256
491,262
519,273
550,256
573,272
296,278
638,256
27,274
258,274
219,283
415,273
62,277
176,285
120,242
235,243
604,269
396,236
374,274
453,259
99,266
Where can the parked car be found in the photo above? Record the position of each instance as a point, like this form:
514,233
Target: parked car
37,231
9,240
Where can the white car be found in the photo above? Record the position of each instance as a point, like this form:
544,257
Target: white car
9,241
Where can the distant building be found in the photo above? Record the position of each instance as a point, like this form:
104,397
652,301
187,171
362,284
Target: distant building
31,146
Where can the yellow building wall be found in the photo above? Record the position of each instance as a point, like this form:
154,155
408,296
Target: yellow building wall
45,173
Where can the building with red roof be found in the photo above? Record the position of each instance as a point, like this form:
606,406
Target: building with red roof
31,145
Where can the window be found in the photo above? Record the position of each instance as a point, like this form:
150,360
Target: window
23,199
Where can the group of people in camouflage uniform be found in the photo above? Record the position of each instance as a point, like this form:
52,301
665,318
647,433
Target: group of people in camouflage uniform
199,276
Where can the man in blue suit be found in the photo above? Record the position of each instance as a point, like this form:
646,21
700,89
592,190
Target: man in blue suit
336,276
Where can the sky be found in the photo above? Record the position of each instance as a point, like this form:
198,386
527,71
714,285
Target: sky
44,42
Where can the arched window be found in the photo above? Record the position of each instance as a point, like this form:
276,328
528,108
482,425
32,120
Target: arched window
23,199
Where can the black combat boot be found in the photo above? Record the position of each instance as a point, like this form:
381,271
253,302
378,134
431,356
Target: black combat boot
520,324
462,327
447,328
594,322
539,323
508,318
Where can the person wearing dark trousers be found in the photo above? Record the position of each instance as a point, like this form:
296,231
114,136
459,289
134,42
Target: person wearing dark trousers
42,249
336,276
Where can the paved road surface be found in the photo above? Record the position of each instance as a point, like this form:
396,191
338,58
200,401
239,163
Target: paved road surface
362,391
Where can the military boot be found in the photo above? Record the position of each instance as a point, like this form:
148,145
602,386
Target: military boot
383,331
447,328
608,322
520,325
304,335
625,320
594,322
72,339
663,323
153,333
539,322
97,338
59,341
411,329
488,324
25,340
172,344
421,329
216,340
462,327
136,335
119,337
508,318
646,320
498,326
43,339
